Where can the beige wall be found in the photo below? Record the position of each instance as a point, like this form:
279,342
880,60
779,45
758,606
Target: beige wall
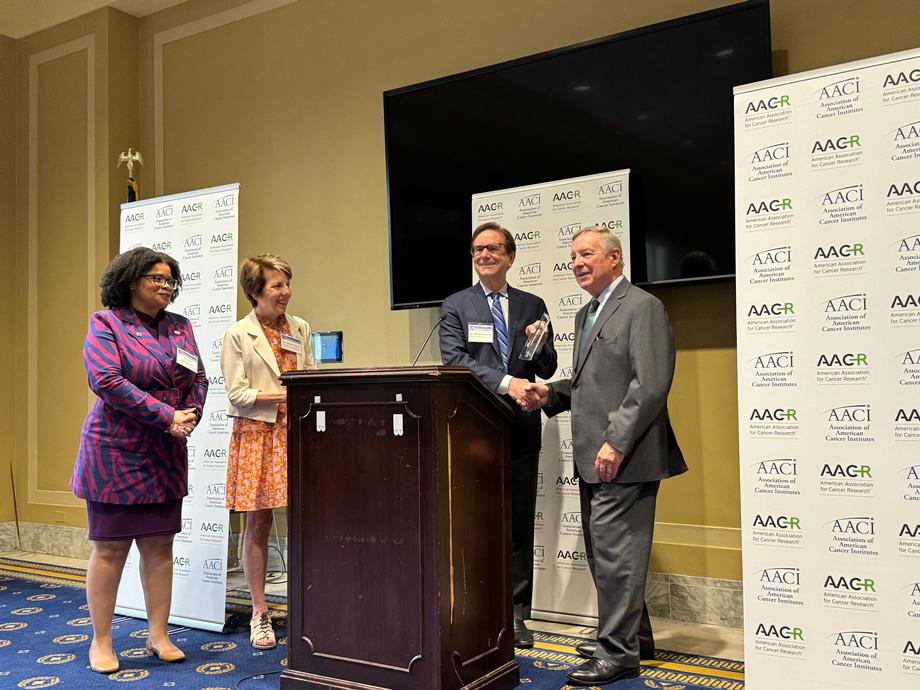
285,98
7,218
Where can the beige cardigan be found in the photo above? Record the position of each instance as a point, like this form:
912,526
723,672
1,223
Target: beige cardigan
249,366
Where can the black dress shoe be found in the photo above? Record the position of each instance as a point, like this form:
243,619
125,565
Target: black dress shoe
597,672
523,638
587,649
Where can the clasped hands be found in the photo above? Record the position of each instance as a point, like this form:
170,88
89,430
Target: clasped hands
183,423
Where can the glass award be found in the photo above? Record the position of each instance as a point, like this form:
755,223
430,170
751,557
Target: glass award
535,342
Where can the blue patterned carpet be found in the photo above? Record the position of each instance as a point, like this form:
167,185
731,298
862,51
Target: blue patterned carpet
45,633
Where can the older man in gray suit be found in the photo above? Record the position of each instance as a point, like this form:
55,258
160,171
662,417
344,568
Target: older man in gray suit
623,446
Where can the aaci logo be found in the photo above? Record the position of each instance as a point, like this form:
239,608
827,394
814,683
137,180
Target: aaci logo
571,302
771,265
191,311
856,639
908,250
841,196
907,133
531,201
567,232
912,485
530,272
216,346
223,274
164,246
774,369
572,518
777,477
212,566
492,207
164,214
192,243
767,104
225,203
853,526
777,467
849,415
566,447
844,313
775,256
842,205
610,188
216,490
218,417
905,142
839,89
782,359
790,577
187,526
847,304
771,153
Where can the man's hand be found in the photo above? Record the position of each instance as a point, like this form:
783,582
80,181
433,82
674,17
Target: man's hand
607,463
517,389
532,328
535,396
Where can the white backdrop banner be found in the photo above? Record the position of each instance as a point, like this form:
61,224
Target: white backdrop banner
200,230
827,207
543,218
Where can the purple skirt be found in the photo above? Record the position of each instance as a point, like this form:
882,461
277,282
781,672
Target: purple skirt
114,522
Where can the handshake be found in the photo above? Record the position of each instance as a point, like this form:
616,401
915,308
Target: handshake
530,396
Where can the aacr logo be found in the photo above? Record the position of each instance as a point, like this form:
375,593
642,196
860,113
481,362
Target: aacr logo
838,144
191,277
562,267
216,380
567,196
212,527
566,481
783,632
781,576
840,251
182,561
530,235
908,531
563,337
903,189
848,359
221,237
773,103
843,195
911,648
907,415
853,584
850,413
771,206
851,471
777,522
134,217
853,525
164,246
771,153
566,555
488,208
905,302
778,414
216,453
847,303
192,208
220,309
775,309
610,224
901,78
838,89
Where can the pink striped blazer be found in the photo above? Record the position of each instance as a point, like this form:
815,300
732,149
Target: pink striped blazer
126,455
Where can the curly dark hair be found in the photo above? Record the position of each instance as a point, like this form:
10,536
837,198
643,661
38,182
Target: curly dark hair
127,268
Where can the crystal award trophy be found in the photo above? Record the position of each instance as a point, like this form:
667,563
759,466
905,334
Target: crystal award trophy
535,341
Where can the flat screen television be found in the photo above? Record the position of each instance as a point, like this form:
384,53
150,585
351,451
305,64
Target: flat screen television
656,100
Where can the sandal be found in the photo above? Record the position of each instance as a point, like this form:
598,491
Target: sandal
261,634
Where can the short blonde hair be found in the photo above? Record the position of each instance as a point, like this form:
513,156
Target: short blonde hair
252,273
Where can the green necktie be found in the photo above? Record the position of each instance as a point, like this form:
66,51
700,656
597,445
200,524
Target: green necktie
587,326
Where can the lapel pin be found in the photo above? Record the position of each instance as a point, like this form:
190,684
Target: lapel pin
177,332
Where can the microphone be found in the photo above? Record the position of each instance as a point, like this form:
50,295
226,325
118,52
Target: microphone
430,333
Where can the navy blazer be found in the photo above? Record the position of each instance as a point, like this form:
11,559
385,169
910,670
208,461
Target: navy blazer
471,306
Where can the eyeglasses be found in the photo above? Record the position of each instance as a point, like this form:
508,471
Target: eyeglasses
161,281
478,249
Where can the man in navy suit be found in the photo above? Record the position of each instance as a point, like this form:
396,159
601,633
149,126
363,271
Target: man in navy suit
484,330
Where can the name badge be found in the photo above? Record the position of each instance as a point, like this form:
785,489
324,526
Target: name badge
186,359
479,333
291,344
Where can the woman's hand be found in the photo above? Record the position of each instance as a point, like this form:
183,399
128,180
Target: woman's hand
183,424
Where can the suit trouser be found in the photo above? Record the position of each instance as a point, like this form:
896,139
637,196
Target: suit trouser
618,521
523,508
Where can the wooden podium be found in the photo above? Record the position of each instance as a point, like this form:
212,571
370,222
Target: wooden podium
399,531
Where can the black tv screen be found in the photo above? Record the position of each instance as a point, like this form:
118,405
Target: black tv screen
657,100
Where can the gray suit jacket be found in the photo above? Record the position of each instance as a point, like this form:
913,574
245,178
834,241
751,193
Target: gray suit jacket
619,389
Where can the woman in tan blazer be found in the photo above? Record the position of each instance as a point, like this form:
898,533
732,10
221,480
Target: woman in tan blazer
255,352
